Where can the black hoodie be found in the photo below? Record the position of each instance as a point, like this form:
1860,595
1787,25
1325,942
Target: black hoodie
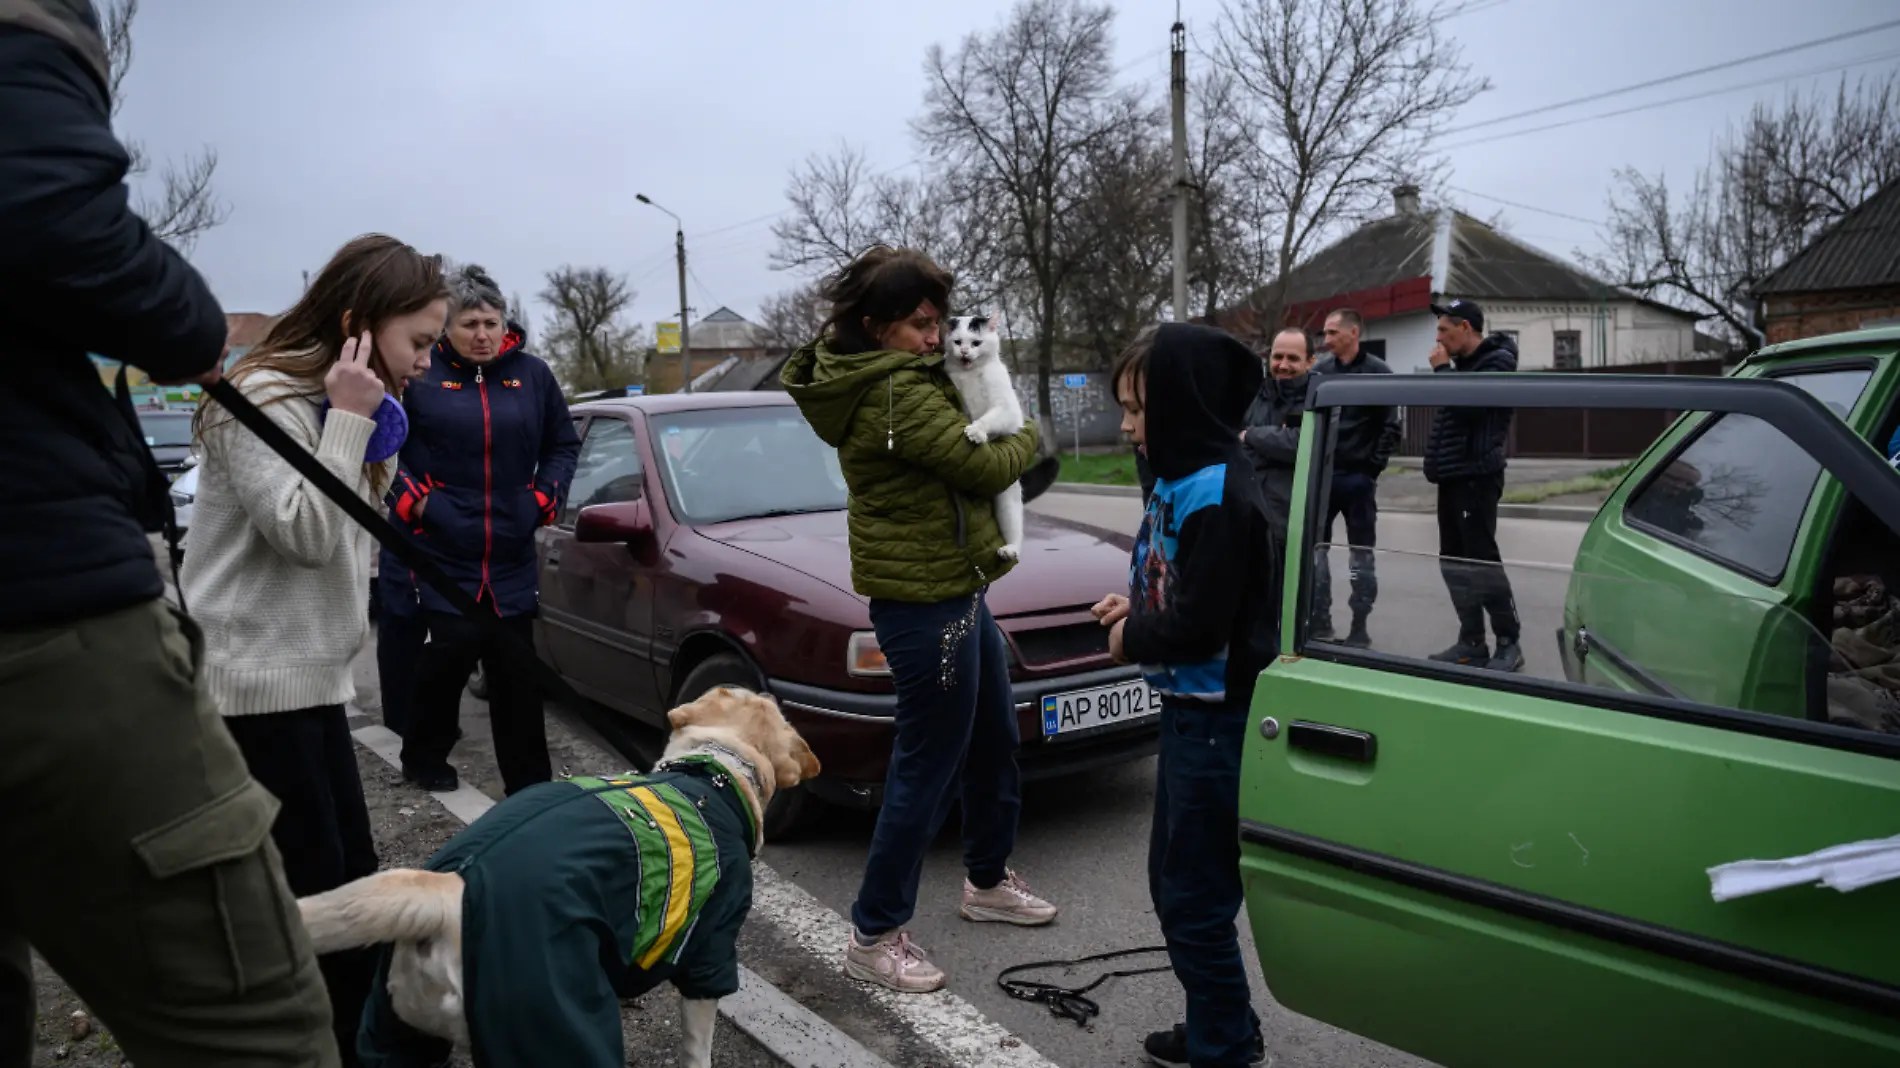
1206,565
1470,442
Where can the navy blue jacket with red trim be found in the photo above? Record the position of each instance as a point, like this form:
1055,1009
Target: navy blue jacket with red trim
492,449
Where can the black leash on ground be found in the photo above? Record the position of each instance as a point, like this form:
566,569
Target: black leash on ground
1072,1002
385,533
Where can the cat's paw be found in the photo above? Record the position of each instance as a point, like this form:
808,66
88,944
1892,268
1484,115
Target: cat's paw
1012,553
976,434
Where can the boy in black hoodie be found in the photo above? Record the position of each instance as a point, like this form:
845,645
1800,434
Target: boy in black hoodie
1205,568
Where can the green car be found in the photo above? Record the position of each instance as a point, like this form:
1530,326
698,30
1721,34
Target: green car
1513,870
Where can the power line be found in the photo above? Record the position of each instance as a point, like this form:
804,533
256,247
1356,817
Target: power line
1525,207
1653,82
1777,79
704,290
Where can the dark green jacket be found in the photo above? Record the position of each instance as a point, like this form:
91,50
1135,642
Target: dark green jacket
577,894
922,512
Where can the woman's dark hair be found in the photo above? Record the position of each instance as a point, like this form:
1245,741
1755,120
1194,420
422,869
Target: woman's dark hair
371,280
883,285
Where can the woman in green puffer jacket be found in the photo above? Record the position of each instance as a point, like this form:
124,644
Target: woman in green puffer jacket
924,544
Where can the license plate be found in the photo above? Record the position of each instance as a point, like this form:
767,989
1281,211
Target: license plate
1102,706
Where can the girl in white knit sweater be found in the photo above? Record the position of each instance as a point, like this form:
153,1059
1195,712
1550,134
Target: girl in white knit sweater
278,576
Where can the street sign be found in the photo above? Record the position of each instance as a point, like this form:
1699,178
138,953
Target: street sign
668,337
636,391
1076,381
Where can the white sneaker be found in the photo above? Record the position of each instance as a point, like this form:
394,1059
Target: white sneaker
893,962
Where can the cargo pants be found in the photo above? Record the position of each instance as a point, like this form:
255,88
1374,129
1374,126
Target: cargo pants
136,858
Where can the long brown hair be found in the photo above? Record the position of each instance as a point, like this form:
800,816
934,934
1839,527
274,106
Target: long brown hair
883,285
371,280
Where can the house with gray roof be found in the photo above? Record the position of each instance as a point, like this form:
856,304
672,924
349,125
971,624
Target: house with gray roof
1848,278
1392,270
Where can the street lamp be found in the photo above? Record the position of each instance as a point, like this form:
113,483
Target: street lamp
679,249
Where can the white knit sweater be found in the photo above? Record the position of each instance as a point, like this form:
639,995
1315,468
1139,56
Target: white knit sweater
275,573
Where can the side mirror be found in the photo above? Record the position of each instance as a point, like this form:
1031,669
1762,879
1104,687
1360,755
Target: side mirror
621,521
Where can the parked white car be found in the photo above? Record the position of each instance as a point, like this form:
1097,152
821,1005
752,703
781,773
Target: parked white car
184,493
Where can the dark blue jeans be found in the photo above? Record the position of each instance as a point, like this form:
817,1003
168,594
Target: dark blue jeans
1356,498
955,736
400,636
1194,877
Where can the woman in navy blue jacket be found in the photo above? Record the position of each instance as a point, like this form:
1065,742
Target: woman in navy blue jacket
491,448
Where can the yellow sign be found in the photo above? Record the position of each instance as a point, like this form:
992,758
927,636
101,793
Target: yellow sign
668,336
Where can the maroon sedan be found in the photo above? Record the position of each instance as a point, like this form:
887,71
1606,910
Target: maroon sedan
703,543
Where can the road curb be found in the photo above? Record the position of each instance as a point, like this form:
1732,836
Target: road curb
1089,489
788,1030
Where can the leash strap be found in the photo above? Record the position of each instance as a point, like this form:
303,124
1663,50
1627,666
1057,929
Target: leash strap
1072,1002
379,528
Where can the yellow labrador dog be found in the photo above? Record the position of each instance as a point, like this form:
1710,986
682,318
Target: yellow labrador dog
528,928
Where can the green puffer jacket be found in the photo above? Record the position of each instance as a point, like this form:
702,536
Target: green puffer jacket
922,513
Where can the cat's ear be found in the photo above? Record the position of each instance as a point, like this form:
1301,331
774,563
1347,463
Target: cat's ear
996,323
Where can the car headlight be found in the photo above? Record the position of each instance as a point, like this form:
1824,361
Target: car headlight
863,658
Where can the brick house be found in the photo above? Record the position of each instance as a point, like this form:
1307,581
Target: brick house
1848,278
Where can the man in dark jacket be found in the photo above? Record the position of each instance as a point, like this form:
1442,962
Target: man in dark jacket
1271,439
1366,441
1465,460
166,910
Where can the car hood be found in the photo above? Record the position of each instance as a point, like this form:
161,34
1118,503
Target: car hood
1064,565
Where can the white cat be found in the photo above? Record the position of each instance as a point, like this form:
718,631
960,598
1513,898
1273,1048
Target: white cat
973,354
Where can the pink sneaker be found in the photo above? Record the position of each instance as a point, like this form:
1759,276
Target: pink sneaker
894,962
1009,901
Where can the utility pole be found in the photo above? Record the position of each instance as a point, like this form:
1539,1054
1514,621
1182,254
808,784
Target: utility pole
686,336
679,254
1177,93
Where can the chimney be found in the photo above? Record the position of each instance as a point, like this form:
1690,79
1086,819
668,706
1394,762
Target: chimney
1405,199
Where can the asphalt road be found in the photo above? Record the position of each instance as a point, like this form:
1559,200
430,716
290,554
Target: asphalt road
1084,841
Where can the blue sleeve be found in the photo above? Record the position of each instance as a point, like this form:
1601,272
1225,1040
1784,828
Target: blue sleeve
1196,618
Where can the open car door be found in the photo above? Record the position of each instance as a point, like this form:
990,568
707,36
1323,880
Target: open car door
1511,870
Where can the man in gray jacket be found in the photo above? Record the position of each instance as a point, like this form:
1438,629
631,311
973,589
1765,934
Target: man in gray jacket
1367,439
1272,437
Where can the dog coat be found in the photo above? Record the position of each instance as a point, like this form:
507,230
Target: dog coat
577,894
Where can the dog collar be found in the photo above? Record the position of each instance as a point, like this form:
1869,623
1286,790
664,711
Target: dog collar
704,759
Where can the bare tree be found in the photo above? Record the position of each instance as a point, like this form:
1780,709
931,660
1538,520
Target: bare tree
1122,233
794,317
1230,225
1014,112
589,346
186,204
1344,98
1768,190
839,208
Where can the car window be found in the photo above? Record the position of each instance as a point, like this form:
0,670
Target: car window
609,469
732,463
163,429
1739,490
1453,573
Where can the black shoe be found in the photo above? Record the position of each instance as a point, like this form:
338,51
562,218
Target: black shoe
1357,638
1465,653
1322,631
437,781
1169,1048
1508,658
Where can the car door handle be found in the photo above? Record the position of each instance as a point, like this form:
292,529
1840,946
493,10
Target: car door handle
1342,742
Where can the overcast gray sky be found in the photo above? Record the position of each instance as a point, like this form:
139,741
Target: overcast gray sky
516,133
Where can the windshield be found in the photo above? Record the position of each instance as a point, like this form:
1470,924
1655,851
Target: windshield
166,428
734,463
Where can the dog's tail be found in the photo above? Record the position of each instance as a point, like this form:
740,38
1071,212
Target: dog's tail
401,905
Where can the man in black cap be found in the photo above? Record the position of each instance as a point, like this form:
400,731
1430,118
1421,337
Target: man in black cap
1465,460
